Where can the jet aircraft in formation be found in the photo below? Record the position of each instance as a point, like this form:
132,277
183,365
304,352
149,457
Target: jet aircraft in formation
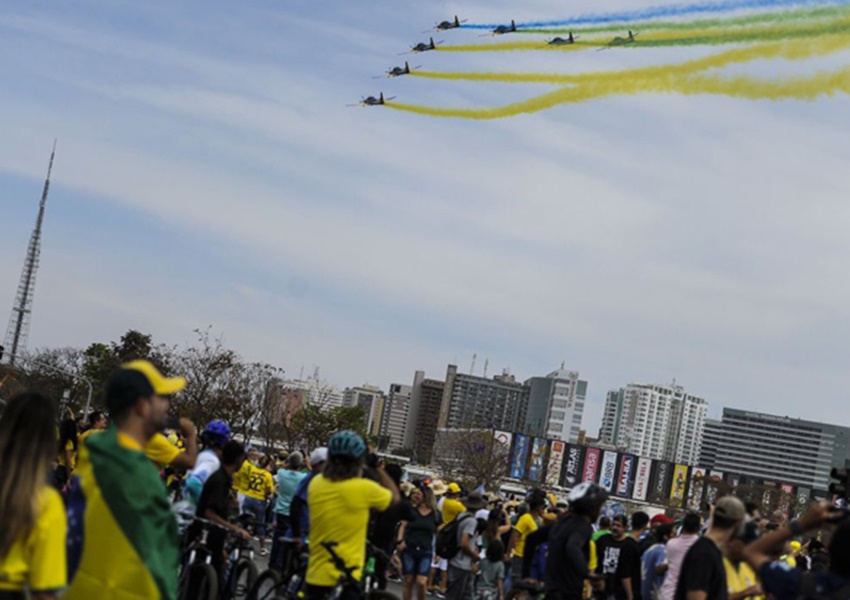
423,47
503,29
446,25
399,71
622,41
559,41
372,101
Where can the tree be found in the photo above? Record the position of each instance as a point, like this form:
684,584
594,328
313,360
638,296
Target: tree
315,424
50,371
472,456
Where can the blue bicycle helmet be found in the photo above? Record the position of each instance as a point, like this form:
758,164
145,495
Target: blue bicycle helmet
216,433
346,444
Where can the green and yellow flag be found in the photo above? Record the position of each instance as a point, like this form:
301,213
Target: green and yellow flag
122,534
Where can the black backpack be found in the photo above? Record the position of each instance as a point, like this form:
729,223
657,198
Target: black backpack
448,544
808,590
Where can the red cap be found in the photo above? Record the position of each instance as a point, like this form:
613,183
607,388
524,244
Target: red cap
661,519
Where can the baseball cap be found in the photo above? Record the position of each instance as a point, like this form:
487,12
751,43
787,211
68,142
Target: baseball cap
660,519
454,488
138,379
731,508
319,455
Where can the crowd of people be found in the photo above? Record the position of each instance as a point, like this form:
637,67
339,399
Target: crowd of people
88,510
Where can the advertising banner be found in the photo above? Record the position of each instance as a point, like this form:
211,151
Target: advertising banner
804,496
504,438
697,487
591,465
556,461
574,462
714,479
680,481
786,499
734,479
625,475
609,468
519,460
659,490
644,470
539,450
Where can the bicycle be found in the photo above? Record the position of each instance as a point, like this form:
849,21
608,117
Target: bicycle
198,577
347,580
275,585
242,572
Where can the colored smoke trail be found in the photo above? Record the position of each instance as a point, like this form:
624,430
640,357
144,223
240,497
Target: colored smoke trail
797,88
784,16
684,79
658,12
666,39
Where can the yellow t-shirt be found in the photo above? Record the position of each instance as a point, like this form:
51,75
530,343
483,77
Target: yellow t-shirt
240,477
451,509
524,526
37,561
160,451
69,445
88,432
259,484
740,579
339,512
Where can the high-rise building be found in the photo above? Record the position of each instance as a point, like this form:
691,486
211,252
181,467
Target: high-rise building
555,406
655,421
426,399
396,418
477,402
781,449
711,437
371,400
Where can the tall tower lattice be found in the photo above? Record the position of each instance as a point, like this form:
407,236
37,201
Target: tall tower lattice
19,322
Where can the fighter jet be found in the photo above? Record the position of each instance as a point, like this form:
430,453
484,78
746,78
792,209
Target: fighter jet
622,41
423,47
372,101
446,25
559,41
399,71
503,29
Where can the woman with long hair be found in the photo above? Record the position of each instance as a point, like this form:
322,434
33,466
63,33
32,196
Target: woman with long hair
32,515
67,451
416,541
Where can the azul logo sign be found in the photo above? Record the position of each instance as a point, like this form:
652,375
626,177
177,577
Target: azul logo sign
609,465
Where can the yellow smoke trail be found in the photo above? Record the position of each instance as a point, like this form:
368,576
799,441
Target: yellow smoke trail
677,78
788,50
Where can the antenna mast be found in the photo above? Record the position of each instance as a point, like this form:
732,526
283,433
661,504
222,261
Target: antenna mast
19,323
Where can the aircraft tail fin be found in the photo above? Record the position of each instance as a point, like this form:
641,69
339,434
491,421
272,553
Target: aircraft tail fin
381,97
433,45
457,22
513,25
406,67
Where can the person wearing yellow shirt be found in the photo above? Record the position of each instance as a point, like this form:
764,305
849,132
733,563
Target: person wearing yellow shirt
741,580
258,487
340,501
452,506
67,453
32,533
527,524
97,423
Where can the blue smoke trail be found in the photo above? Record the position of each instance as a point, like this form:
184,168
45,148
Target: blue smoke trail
657,12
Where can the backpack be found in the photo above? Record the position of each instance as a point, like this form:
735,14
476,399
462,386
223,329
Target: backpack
448,544
808,590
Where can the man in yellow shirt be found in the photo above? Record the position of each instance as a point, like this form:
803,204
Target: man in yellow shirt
741,580
97,423
258,486
340,501
452,506
527,524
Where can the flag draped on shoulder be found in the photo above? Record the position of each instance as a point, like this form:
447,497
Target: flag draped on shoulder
122,534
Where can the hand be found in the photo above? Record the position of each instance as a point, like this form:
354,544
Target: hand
243,534
817,514
187,428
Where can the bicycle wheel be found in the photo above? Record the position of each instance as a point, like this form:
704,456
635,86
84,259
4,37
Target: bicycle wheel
266,586
242,579
199,582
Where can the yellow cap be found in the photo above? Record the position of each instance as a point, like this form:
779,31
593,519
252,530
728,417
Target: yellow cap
795,546
162,386
454,488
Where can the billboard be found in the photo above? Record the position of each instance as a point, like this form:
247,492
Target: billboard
572,468
504,438
625,475
642,479
520,456
556,461
537,468
608,471
677,489
803,496
696,489
716,478
659,489
591,465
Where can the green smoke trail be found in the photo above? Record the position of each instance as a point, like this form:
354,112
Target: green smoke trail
786,16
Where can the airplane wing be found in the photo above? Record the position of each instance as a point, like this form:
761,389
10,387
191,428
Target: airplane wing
390,98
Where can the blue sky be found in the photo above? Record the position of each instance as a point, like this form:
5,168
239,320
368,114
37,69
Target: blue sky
209,173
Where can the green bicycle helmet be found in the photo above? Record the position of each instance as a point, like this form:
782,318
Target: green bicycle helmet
346,444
